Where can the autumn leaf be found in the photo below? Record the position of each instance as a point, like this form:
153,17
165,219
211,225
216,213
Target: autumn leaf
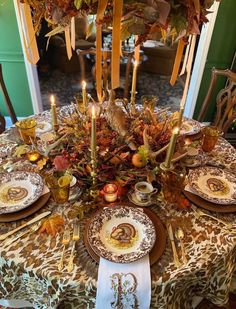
52,225
21,150
41,163
143,151
90,29
78,4
87,2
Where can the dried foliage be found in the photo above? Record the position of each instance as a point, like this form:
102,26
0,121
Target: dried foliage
52,225
171,18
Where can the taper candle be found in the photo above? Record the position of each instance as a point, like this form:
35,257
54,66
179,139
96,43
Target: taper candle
84,94
171,147
134,79
93,135
53,111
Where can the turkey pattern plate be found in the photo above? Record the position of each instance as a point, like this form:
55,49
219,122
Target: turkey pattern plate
213,184
121,234
18,190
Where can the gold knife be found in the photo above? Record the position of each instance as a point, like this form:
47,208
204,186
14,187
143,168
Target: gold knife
171,236
37,218
33,229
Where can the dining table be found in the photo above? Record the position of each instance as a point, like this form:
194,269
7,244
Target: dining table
29,266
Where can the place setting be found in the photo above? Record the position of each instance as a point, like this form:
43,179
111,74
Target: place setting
212,188
21,194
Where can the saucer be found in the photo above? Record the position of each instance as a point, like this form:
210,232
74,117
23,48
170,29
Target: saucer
75,194
133,199
43,127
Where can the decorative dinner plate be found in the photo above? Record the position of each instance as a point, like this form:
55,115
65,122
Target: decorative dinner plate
121,234
156,251
190,127
213,184
18,190
6,149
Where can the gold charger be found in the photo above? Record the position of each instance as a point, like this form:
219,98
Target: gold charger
198,201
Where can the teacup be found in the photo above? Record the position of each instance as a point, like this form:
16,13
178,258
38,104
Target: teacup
143,191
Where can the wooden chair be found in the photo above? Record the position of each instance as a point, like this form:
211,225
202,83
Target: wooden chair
225,100
7,100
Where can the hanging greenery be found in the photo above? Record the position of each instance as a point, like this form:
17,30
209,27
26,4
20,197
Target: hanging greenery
175,18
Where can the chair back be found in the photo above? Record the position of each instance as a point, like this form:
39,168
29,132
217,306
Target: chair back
225,100
6,98
106,67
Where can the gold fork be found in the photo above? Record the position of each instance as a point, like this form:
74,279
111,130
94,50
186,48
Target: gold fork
75,237
65,242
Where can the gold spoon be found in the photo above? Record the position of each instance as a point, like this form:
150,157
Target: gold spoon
179,234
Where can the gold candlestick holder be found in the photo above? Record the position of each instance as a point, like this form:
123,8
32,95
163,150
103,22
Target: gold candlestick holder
165,168
93,172
132,103
55,128
94,192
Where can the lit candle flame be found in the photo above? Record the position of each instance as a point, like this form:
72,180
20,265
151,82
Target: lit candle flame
83,85
52,99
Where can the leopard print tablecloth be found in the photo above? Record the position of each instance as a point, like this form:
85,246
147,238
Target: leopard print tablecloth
28,267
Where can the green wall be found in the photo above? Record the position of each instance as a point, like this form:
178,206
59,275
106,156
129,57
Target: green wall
221,52
12,60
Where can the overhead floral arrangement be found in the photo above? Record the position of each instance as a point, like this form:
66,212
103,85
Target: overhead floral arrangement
143,17
177,19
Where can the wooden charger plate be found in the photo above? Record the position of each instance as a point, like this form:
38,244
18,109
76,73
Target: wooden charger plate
14,216
158,248
197,200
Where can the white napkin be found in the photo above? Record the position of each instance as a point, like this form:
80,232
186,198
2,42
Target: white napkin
128,284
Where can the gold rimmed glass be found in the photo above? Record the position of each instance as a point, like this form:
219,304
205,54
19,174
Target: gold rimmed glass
60,188
26,130
210,136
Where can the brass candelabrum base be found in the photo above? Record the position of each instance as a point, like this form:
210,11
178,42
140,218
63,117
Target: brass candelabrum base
165,168
93,192
132,104
56,128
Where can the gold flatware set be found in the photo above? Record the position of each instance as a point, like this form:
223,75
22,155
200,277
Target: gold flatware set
75,237
65,241
179,235
33,227
37,218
